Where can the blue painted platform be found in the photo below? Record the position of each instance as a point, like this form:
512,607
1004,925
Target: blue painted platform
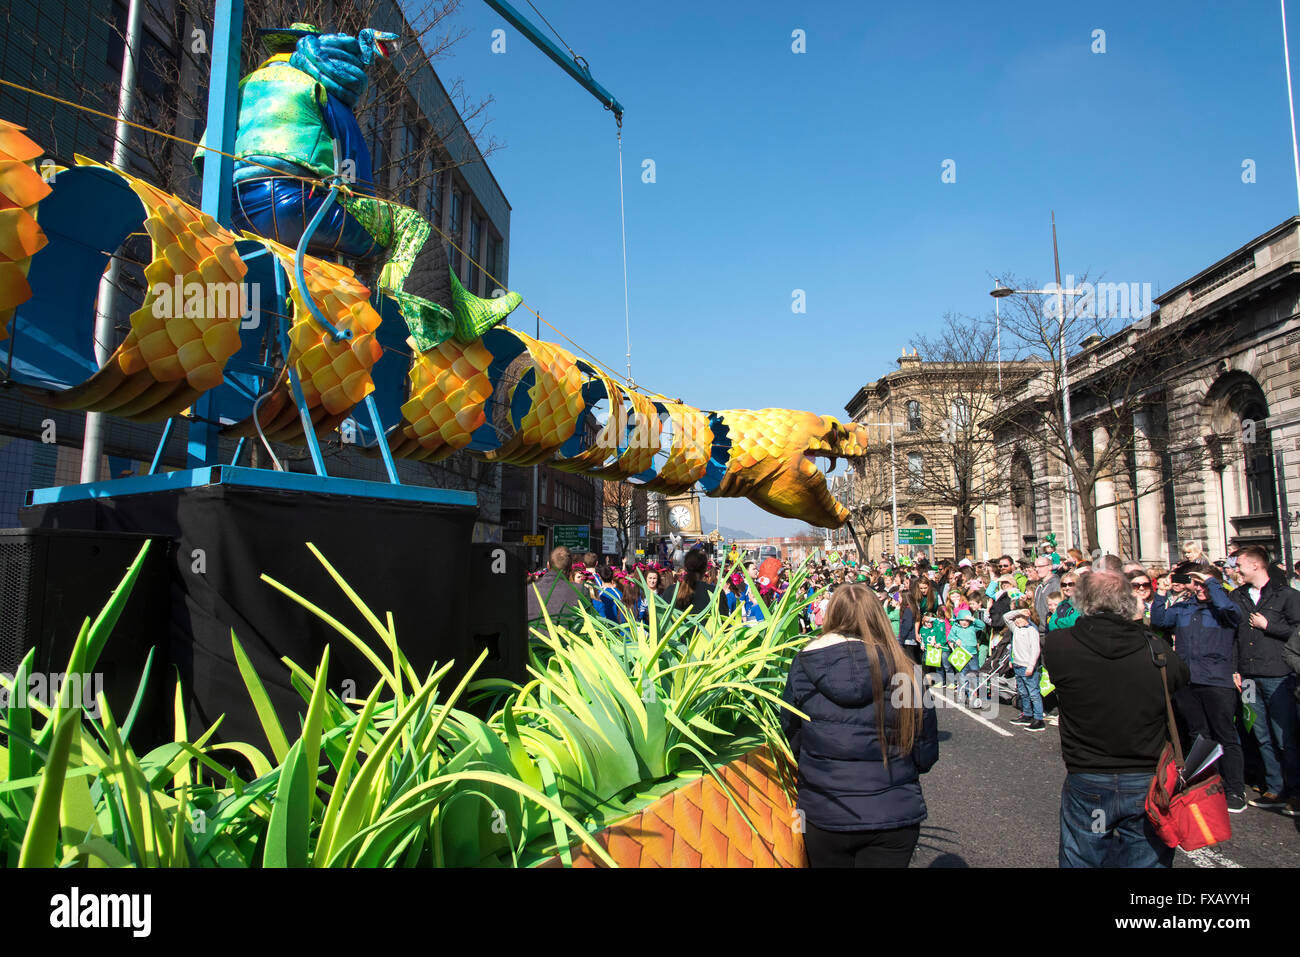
233,475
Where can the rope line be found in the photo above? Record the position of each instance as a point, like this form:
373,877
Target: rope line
553,30
622,216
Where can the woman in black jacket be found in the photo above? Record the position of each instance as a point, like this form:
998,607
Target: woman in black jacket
870,735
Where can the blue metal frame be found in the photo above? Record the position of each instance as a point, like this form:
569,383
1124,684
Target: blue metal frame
382,440
162,445
218,176
576,68
249,478
308,428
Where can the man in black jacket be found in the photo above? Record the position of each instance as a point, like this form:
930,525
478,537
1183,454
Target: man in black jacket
1113,726
1270,612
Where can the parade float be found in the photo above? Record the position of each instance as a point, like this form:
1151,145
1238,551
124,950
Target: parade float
277,313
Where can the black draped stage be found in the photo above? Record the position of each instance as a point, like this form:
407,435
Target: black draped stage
414,559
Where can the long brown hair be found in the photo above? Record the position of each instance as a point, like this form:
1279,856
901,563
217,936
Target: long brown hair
927,605
695,565
855,611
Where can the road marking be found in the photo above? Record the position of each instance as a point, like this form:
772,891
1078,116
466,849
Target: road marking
1209,857
978,717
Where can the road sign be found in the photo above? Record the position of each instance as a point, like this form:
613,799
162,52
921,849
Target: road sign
916,536
535,540
609,540
575,537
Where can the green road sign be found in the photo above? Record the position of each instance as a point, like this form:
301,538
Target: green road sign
916,536
576,537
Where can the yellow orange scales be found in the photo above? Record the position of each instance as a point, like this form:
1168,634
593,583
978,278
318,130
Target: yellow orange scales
21,190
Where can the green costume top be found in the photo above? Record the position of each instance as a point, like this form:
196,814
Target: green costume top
281,117
281,124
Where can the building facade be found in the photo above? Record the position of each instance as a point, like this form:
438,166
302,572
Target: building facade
935,459
1186,422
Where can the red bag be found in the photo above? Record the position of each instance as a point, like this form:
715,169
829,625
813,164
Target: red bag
1195,816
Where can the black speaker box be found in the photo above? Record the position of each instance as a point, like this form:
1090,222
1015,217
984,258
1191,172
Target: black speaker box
51,580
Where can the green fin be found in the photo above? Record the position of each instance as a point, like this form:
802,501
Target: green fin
475,316
430,323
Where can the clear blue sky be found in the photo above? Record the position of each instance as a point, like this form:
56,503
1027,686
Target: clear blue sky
821,171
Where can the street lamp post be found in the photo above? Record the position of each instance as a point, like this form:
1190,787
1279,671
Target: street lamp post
997,309
1071,494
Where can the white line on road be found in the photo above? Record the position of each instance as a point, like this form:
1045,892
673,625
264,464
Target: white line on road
978,717
1209,857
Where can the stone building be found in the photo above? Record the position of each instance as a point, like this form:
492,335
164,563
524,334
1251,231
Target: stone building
941,458
1199,402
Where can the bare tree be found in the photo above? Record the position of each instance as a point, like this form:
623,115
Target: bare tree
867,494
958,466
1115,365
625,510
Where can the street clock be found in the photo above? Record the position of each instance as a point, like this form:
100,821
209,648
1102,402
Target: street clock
684,515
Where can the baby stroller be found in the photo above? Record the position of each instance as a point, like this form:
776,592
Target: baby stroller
996,676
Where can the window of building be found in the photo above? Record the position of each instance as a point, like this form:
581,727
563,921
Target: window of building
434,210
961,413
455,226
544,483
914,416
408,162
475,237
375,138
496,280
1261,485
915,471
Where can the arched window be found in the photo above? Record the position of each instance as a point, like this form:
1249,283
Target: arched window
915,471
1261,486
961,413
917,519
914,416
1022,495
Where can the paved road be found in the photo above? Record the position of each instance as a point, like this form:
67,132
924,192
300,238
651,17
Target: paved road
995,796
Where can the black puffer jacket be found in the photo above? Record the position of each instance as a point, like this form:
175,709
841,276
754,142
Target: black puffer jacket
844,783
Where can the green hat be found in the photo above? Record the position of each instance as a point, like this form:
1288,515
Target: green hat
284,39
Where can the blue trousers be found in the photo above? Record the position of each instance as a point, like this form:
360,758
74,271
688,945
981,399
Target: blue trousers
1277,733
1104,823
1030,695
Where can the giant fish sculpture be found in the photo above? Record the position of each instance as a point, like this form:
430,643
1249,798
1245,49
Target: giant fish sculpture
502,396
